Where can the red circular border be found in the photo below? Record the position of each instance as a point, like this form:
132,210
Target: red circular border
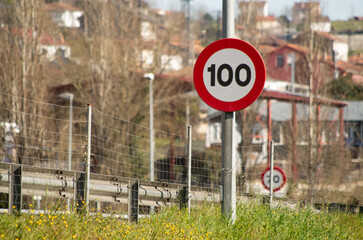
257,88
283,176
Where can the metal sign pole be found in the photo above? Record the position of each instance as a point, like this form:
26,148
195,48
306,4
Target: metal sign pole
271,172
228,119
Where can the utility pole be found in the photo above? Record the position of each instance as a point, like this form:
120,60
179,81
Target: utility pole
228,121
188,60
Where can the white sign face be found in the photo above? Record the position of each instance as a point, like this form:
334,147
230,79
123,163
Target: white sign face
229,75
277,178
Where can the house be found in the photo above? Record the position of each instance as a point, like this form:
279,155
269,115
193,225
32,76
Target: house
254,20
279,63
326,44
290,63
268,24
48,45
53,46
64,15
302,10
323,25
253,8
161,49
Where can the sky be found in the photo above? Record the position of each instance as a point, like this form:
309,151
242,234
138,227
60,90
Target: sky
334,9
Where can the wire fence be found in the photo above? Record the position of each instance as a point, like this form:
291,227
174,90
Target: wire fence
53,139
323,170
44,150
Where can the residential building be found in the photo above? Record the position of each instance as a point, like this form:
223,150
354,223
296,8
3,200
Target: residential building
254,8
64,15
302,11
326,44
53,46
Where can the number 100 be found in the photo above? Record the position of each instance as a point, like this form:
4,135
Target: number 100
230,76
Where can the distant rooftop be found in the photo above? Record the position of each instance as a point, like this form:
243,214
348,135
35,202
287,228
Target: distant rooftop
61,7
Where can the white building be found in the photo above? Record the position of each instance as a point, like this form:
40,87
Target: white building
64,15
50,47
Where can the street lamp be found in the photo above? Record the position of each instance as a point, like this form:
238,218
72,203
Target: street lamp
150,77
70,97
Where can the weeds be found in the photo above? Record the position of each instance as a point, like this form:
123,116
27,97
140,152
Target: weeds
254,221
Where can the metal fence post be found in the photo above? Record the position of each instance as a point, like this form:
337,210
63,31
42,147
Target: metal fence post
88,165
15,197
80,191
189,165
183,197
133,201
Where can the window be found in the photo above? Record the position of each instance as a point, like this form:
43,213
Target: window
277,134
258,134
215,132
280,60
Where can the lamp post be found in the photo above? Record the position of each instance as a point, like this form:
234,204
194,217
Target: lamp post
70,97
150,77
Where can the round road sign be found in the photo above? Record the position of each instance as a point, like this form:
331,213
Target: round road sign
278,178
229,74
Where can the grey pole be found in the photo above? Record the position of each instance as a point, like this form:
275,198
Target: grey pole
150,77
88,166
189,165
70,132
152,143
272,172
292,72
69,96
228,19
228,120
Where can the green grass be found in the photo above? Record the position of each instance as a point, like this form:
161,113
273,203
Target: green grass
344,26
253,221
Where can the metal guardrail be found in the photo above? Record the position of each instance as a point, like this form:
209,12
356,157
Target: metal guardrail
17,180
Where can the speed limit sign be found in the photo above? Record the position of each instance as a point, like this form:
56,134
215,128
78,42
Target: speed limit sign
278,178
229,74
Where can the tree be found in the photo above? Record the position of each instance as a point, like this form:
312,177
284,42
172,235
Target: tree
20,69
344,88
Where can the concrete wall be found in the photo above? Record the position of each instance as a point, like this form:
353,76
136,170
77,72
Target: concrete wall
355,42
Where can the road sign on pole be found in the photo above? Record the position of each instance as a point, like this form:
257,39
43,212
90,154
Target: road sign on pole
278,178
229,74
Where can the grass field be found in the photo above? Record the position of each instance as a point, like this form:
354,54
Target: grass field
254,221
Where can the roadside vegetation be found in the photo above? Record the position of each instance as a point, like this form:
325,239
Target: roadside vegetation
254,221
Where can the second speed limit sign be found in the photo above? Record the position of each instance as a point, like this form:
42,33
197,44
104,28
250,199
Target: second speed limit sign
278,178
229,74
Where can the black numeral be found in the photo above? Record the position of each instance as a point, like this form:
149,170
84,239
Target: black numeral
230,76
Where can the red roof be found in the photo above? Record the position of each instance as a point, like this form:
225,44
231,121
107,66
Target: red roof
49,40
348,67
61,7
44,39
295,47
271,41
329,36
290,97
266,18
265,49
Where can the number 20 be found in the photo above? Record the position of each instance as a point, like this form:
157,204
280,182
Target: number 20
228,81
